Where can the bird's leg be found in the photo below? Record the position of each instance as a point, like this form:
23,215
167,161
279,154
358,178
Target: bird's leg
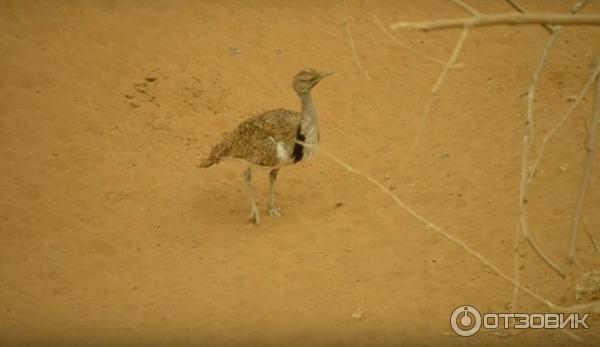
273,211
254,216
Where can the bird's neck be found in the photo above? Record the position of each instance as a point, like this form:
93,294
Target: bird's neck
309,126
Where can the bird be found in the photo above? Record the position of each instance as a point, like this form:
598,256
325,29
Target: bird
274,139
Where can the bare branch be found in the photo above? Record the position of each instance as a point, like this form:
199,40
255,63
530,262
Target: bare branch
556,31
501,18
588,307
534,82
457,49
589,235
405,46
466,7
587,174
562,121
434,90
527,139
356,60
518,8
579,5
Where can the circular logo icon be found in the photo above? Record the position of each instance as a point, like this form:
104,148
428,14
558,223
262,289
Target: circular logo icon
465,320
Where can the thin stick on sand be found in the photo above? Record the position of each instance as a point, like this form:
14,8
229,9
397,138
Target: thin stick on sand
527,140
501,18
589,235
593,306
405,46
435,89
555,32
563,120
356,60
466,7
520,9
592,143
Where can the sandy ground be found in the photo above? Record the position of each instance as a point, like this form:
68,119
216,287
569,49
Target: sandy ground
109,234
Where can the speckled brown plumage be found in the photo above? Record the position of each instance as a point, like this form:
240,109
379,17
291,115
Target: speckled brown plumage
255,139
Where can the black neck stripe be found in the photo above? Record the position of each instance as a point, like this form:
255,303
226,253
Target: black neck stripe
298,152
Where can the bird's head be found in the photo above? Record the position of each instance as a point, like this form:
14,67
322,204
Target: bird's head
306,79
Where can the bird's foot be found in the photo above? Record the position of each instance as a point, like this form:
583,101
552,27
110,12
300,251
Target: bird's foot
274,211
254,215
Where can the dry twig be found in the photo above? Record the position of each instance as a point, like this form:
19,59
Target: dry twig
592,142
579,5
522,18
466,7
405,46
589,234
501,18
517,19
517,7
587,307
347,27
527,140
564,118
576,8
436,87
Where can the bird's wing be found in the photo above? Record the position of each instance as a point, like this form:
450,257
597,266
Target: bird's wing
257,139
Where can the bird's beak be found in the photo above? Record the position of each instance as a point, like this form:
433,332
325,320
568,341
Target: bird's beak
324,74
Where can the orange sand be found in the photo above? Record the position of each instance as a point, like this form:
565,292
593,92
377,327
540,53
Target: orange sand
109,234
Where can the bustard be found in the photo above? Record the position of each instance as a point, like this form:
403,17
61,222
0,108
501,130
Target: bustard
272,139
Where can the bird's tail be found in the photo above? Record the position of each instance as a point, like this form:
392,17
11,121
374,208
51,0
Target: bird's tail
206,163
